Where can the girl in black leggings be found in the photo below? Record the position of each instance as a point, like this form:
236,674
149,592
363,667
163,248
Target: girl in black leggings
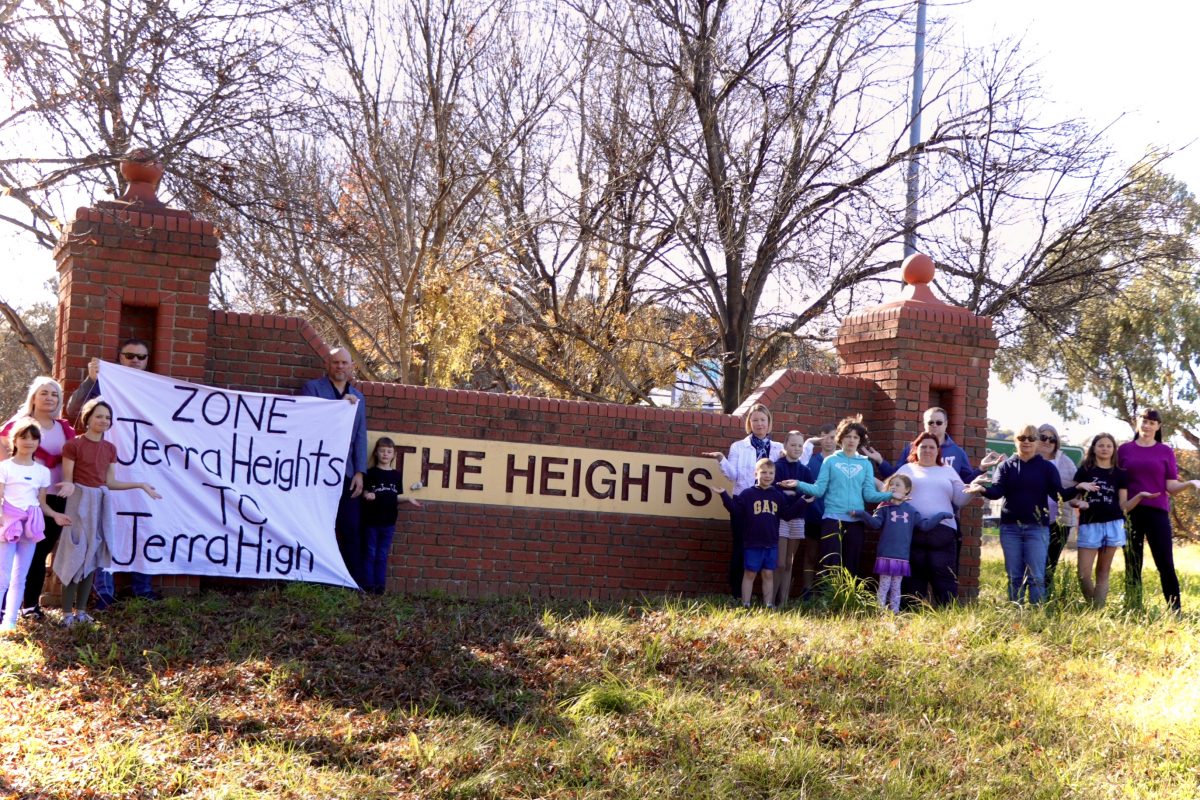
1153,477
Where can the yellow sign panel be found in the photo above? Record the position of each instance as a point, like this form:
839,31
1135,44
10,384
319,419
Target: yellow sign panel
563,478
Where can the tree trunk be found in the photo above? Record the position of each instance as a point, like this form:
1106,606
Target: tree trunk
27,339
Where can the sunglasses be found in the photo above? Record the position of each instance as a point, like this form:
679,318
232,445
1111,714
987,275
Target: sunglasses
935,422
1048,439
135,356
1027,438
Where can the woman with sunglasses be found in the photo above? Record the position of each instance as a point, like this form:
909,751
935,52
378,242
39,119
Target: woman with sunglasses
1062,518
1026,483
1152,477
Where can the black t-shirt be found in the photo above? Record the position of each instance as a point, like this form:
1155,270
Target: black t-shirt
385,484
1103,505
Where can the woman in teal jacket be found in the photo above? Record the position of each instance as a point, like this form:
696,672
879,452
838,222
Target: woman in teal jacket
846,483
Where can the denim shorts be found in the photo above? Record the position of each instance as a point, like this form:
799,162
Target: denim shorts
1102,534
757,559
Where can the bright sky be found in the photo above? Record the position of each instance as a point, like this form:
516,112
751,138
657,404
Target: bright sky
1128,66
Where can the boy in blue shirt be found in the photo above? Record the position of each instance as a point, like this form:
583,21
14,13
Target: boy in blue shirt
758,510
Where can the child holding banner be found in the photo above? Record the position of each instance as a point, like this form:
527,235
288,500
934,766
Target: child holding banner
86,546
382,495
23,485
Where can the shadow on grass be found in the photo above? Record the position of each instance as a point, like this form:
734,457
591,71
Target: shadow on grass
308,642
9,790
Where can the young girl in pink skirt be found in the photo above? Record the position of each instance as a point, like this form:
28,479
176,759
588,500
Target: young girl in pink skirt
898,519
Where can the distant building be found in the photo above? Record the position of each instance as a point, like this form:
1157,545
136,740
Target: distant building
692,389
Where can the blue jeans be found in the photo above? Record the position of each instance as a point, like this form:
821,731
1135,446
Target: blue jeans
378,546
141,584
1025,548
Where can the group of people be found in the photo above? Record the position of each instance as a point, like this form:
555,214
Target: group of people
56,469
792,498
54,485
800,499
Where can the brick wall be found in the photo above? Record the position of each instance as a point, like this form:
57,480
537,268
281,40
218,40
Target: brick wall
473,550
119,268
923,353
262,352
128,272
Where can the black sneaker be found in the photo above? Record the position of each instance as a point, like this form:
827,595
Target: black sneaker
34,613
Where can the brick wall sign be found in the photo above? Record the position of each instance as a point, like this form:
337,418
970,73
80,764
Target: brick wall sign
528,496
474,472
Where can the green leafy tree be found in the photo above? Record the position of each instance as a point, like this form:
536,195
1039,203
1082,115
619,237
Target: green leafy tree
1138,346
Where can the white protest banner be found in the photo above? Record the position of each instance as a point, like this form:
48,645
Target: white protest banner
250,482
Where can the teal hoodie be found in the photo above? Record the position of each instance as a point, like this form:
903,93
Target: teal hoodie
847,483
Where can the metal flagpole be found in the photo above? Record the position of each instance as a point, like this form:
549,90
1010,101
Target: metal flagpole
914,135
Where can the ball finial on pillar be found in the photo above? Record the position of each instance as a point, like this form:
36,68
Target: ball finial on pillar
142,172
917,268
917,271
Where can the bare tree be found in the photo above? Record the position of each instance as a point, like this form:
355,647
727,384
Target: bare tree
580,199
1051,219
37,322
580,317
90,80
1134,342
779,188
420,105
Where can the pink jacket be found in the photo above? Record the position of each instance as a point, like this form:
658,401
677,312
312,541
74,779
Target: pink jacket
22,522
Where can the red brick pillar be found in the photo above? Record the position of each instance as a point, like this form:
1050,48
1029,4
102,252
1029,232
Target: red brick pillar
922,352
135,268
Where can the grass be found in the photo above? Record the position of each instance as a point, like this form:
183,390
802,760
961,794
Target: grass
307,692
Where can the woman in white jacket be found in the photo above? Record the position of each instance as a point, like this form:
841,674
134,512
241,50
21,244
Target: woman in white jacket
738,467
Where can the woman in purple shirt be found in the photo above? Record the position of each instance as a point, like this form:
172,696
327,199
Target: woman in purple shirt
1152,478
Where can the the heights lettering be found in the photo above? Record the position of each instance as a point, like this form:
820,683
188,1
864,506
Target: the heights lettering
598,478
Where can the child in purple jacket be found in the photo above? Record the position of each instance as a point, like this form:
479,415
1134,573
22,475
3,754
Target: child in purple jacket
898,519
